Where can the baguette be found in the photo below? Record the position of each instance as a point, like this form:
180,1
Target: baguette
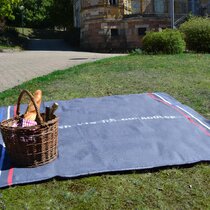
30,113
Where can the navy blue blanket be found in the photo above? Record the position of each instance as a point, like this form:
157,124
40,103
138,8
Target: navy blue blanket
117,133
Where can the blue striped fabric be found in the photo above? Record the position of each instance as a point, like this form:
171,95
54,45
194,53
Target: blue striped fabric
117,133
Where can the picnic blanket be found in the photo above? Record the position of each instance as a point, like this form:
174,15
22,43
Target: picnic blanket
116,133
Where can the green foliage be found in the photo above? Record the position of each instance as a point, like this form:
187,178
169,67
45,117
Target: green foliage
6,8
10,38
45,14
61,13
7,38
167,41
36,13
197,34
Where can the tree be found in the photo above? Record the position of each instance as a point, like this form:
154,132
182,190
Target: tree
36,12
6,10
45,14
62,13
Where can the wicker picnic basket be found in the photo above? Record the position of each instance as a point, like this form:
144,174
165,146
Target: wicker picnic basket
30,146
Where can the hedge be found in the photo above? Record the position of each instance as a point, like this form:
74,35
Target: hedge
197,34
168,41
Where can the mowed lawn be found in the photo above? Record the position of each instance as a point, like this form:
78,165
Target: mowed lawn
186,77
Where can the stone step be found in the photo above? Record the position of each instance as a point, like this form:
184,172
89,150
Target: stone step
47,44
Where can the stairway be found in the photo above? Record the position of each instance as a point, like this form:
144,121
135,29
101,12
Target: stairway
47,45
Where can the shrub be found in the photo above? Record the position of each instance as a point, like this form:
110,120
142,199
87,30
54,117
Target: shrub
197,34
10,37
167,41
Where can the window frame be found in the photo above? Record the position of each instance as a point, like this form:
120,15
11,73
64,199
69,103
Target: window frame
114,32
141,34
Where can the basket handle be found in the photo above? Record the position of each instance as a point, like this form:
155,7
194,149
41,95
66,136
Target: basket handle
40,120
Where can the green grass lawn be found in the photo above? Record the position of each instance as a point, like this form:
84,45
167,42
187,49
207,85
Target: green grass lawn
41,33
186,77
5,47
24,31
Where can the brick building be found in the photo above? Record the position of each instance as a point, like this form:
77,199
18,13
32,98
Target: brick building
121,24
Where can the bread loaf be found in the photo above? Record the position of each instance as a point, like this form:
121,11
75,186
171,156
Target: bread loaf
30,113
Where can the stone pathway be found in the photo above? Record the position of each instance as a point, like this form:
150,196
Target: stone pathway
18,67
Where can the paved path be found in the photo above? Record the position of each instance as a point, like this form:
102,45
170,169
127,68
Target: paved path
18,67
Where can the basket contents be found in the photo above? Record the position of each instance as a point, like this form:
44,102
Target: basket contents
30,111
24,123
28,119
30,116
49,112
31,139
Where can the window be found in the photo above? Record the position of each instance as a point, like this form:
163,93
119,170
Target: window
113,2
135,7
142,31
159,6
114,32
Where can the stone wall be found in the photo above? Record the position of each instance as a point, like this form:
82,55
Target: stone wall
113,27
135,27
118,35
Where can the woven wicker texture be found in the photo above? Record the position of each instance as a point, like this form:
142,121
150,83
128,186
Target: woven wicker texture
31,146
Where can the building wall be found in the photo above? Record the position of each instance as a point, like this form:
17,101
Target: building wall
77,9
97,35
104,26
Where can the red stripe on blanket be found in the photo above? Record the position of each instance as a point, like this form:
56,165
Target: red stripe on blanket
11,170
10,176
182,113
